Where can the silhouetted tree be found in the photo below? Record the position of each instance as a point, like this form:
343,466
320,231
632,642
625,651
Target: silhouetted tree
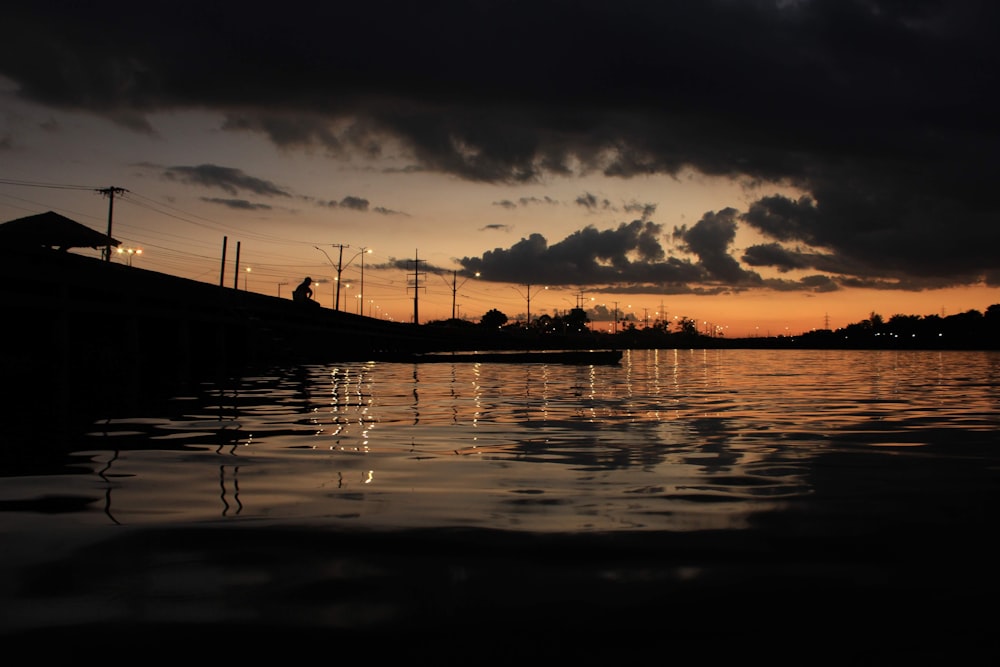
687,326
493,319
576,320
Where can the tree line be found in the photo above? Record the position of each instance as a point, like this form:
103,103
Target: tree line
972,329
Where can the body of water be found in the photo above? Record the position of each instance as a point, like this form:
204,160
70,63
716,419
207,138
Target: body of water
756,486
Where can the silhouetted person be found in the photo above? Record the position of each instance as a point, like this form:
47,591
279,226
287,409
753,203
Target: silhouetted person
303,293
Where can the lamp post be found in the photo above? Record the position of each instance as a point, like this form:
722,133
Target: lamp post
340,266
130,252
337,279
527,295
361,288
279,289
246,276
455,287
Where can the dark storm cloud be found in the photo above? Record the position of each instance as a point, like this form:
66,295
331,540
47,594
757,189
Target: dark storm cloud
776,255
710,239
226,178
630,253
881,111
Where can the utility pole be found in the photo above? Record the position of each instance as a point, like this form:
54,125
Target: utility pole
236,267
340,260
110,194
222,271
361,290
455,286
416,286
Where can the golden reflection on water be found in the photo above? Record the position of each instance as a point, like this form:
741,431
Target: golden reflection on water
667,440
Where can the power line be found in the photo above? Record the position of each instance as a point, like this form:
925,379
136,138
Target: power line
51,186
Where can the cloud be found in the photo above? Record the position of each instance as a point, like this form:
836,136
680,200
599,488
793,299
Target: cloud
355,203
525,201
710,239
381,210
881,113
227,179
644,210
630,253
593,202
496,227
359,204
239,204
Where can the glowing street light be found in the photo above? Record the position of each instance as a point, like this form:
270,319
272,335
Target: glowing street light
130,253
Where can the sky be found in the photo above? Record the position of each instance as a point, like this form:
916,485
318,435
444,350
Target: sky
760,167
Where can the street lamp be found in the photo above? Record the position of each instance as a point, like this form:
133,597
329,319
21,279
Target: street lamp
245,277
340,266
337,279
130,252
361,288
528,297
455,287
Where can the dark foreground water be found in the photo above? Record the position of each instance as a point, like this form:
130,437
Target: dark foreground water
704,502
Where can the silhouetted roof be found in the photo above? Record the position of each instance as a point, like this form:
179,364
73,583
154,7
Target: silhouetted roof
52,231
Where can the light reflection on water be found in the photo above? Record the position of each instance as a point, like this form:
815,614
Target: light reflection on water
684,493
670,440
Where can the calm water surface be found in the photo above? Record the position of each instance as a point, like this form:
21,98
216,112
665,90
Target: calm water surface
668,440
679,442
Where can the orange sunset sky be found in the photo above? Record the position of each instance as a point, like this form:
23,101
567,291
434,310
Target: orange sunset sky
761,168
